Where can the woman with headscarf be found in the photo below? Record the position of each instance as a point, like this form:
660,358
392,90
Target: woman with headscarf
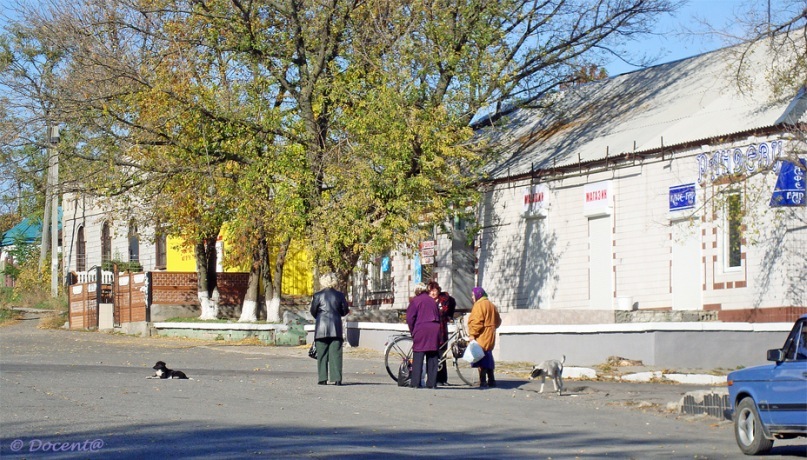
423,320
482,324
328,307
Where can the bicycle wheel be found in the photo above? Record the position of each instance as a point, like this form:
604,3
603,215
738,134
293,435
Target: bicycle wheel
399,350
466,373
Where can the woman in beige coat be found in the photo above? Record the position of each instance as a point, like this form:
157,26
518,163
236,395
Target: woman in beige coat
482,325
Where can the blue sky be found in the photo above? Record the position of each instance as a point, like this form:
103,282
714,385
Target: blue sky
681,36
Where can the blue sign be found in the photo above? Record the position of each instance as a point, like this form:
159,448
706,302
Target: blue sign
790,187
682,197
418,274
385,264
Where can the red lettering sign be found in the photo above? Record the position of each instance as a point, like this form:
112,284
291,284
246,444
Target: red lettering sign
596,195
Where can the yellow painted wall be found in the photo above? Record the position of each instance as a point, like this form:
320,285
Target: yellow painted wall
297,274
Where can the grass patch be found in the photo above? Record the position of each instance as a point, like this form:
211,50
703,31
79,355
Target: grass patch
9,316
53,321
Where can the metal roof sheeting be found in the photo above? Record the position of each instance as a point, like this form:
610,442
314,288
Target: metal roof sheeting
670,104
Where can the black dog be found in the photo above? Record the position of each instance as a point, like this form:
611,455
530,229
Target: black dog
162,372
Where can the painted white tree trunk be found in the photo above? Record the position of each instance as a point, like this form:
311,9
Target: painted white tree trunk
210,304
249,312
273,310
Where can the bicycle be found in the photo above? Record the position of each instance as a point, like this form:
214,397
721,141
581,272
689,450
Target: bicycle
398,350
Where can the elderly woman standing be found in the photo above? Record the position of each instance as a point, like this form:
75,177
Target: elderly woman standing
423,319
482,325
328,307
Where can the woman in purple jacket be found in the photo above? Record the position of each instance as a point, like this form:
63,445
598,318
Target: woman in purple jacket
423,319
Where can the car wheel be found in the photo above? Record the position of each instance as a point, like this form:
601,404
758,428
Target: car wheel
748,429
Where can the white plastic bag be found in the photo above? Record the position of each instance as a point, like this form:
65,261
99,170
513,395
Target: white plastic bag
473,352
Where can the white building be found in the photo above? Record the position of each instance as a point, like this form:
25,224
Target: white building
618,197
96,234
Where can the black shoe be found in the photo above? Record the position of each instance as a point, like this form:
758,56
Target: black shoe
338,383
324,382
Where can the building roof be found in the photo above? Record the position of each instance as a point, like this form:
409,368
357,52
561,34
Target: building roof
681,102
30,230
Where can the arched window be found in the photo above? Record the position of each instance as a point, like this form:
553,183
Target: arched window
81,251
106,243
161,251
134,243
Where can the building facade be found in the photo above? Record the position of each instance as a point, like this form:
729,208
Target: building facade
651,190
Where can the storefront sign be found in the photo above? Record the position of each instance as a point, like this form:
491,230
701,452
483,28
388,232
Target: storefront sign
598,199
790,187
739,160
682,197
535,201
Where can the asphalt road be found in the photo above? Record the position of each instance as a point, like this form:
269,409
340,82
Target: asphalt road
85,395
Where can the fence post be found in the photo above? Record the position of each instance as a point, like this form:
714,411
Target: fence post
97,297
148,297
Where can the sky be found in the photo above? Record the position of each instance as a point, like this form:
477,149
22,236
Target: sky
675,39
671,43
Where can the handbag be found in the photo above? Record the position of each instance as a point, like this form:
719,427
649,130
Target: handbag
312,350
405,373
473,353
458,348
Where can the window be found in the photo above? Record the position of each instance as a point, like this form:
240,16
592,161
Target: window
733,231
81,251
106,243
134,243
382,274
161,251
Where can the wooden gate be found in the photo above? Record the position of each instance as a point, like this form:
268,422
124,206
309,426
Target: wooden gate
129,294
83,298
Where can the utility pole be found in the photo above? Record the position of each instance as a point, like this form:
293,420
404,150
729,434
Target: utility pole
54,213
43,249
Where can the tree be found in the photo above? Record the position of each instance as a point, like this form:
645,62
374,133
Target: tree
343,123
28,68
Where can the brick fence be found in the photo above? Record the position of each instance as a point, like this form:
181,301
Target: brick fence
179,288
762,315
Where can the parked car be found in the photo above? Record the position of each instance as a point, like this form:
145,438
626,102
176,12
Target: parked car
770,402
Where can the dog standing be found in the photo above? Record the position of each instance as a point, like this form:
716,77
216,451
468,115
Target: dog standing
551,368
162,372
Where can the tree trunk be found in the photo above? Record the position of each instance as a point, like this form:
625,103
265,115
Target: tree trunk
207,278
249,309
274,282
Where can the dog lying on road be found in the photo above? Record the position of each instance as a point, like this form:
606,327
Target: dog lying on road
162,372
551,368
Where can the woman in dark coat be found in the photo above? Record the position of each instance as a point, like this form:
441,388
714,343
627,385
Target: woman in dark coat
423,319
446,305
328,307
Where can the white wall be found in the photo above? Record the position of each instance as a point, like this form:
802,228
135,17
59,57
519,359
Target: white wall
83,211
544,262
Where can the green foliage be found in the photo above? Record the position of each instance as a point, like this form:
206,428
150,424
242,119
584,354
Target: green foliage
7,315
23,256
343,126
133,267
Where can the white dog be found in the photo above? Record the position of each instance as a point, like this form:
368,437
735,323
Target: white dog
553,369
